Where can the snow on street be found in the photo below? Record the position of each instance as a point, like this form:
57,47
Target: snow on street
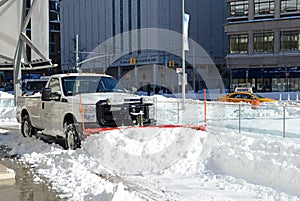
220,164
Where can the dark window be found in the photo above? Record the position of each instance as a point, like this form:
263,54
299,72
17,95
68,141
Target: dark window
238,44
290,41
121,25
138,4
263,7
113,24
130,25
290,5
236,96
113,17
264,42
129,16
55,26
90,84
238,8
247,96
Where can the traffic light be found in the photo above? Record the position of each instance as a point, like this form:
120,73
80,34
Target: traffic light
171,63
132,60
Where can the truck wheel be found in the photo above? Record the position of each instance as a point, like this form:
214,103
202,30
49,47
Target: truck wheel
72,138
26,127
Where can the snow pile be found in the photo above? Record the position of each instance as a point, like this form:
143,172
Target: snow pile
5,95
146,150
260,160
192,161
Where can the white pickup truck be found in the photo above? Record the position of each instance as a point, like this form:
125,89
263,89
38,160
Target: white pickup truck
73,106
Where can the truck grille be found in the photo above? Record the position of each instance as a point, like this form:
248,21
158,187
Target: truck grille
119,115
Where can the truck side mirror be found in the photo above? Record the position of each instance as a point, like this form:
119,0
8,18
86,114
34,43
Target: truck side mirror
46,94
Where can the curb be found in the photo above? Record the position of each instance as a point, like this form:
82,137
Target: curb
6,173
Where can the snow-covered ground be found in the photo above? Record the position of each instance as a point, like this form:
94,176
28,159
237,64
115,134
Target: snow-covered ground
175,163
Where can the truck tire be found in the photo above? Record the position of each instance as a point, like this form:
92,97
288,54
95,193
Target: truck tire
72,138
26,127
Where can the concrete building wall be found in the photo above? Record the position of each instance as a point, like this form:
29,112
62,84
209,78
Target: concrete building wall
96,21
93,21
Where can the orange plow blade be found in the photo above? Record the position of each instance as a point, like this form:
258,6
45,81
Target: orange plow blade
90,131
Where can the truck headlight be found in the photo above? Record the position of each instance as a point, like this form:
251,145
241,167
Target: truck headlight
146,100
115,101
108,101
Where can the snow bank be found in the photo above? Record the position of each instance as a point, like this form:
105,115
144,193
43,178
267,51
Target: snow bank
6,95
192,161
68,172
146,150
260,160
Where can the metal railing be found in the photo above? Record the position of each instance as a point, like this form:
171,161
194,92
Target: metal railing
271,119
281,119
7,102
7,109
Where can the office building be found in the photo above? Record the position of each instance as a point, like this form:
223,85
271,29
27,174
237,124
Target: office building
96,21
264,43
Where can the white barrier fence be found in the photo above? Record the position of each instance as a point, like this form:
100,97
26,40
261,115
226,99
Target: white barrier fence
280,119
7,102
7,109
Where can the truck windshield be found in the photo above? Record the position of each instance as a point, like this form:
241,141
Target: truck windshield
90,84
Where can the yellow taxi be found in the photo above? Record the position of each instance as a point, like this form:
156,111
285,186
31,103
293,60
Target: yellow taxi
247,97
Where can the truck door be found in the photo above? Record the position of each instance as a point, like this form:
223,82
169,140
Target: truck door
52,110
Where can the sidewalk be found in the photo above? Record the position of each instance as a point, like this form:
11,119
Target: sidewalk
7,175
22,186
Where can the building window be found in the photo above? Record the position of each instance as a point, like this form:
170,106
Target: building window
113,17
53,49
130,25
121,16
129,16
55,26
264,42
290,41
138,5
121,25
263,7
238,8
238,44
290,5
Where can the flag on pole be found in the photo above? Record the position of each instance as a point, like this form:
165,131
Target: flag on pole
185,31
